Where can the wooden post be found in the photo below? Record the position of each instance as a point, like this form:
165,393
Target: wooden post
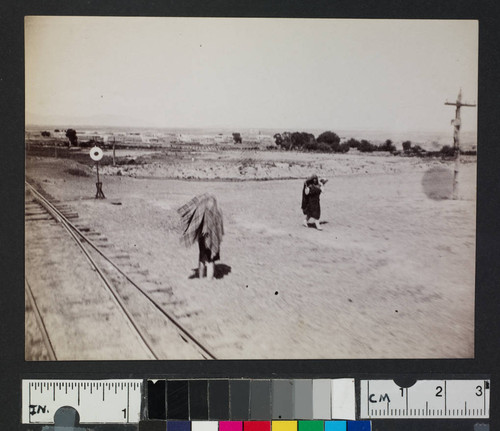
457,122
99,194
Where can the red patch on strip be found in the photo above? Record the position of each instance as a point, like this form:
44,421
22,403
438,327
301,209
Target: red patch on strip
257,426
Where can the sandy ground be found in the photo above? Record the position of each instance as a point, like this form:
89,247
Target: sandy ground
390,276
254,164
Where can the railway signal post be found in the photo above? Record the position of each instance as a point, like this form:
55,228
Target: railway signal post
96,155
456,138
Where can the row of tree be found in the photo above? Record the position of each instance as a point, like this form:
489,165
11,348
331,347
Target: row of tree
327,142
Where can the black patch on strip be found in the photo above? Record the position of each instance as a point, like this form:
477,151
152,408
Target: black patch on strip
156,400
152,426
177,399
198,399
218,399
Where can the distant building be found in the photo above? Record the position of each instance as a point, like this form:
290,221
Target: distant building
223,139
185,139
265,139
85,137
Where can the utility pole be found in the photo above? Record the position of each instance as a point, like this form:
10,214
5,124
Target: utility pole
457,122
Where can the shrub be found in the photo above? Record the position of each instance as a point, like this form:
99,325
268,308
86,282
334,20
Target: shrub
407,145
447,151
469,153
285,140
237,138
278,139
311,146
71,135
353,143
324,147
344,148
366,147
387,146
86,144
418,149
301,139
77,172
329,138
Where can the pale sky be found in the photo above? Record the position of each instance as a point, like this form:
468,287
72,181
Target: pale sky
391,75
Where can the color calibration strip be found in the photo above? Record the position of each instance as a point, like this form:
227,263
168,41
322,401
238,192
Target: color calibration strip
255,426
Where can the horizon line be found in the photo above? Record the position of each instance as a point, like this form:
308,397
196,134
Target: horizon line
236,128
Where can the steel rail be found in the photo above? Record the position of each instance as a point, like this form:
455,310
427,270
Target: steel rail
54,212
204,351
39,320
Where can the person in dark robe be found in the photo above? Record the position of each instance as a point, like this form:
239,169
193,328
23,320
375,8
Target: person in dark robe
311,207
202,223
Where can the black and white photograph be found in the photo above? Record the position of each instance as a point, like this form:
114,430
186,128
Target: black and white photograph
250,188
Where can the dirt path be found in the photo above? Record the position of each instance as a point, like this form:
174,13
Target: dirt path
390,276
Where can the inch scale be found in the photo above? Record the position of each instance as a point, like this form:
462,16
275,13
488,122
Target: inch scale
426,399
96,401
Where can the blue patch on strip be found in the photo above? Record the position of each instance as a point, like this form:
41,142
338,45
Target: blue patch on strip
335,425
179,426
359,426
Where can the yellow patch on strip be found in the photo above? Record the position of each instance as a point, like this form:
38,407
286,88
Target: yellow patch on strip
284,425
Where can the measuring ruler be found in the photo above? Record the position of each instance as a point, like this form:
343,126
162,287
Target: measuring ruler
97,401
426,399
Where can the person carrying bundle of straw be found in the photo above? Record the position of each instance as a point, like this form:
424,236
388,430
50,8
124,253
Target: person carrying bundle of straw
202,221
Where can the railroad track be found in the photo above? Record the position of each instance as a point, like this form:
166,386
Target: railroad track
41,208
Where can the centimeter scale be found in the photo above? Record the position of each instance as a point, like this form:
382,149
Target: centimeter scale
436,399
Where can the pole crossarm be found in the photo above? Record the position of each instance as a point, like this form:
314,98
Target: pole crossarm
457,122
459,104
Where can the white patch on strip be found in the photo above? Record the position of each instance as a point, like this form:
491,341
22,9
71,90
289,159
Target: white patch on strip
204,425
343,399
97,401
